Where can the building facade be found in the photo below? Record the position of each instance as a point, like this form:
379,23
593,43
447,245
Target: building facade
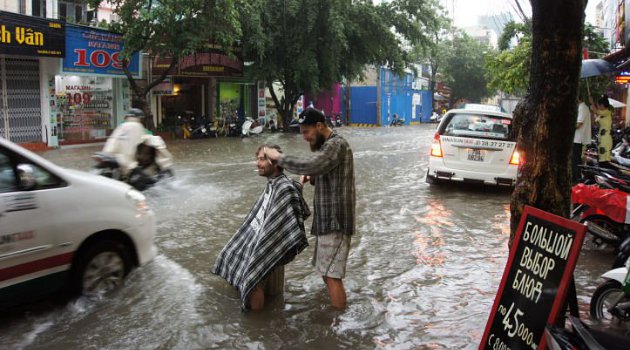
61,83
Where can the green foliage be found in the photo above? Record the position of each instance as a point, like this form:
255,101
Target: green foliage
173,27
597,45
436,51
514,31
508,71
464,68
307,45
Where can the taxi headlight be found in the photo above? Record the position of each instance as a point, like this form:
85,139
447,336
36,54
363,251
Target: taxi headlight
140,202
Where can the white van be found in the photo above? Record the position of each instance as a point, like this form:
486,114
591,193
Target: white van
475,146
62,228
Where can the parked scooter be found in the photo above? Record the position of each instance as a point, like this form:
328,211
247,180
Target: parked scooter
251,127
337,121
154,164
611,299
602,207
623,254
396,120
200,127
271,123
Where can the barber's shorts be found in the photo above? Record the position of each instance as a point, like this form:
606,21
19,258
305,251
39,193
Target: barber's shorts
331,254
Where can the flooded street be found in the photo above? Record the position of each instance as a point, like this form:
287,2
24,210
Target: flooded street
422,273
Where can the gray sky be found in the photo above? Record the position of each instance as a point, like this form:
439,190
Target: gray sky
467,11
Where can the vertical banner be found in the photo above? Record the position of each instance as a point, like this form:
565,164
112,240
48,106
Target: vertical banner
55,116
262,101
535,281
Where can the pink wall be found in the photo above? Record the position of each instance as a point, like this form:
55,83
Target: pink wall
322,100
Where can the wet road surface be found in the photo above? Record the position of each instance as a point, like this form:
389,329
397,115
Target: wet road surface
422,273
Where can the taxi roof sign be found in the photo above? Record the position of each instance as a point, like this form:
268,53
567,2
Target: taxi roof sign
481,107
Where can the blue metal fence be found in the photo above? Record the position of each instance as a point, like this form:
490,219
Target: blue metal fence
363,105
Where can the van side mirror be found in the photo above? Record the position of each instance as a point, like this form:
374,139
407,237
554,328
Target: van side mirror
26,175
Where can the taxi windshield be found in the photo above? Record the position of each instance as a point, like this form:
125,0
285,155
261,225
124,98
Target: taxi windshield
479,126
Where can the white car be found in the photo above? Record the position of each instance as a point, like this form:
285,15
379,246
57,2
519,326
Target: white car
474,146
62,228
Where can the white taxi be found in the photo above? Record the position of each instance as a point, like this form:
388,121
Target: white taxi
474,145
62,228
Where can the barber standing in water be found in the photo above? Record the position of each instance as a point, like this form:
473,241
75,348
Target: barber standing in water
331,170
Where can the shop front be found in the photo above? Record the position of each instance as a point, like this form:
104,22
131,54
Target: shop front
29,48
91,95
207,84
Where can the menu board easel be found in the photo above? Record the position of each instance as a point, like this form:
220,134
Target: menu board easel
534,284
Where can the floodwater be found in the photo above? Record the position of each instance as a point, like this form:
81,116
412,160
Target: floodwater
422,274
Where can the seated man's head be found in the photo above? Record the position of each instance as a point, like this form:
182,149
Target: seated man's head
265,166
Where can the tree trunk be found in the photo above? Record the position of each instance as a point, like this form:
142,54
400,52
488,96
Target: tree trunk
544,122
284,105
141,92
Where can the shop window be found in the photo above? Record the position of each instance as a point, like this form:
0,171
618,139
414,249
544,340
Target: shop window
84,108
91,16
72,12
78,13
63,9
38,8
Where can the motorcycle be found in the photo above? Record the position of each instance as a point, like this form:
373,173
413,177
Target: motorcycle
201,128
623,254
397,121
154,164
271,123
337,121
251,126
611,300
603,207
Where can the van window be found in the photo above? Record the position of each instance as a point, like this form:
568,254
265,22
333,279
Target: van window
8,180
479,126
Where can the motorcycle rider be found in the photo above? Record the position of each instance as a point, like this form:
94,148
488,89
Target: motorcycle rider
124,141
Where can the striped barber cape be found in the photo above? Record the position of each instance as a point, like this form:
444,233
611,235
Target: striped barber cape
251,254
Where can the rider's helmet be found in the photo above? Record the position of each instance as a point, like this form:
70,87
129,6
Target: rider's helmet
136,113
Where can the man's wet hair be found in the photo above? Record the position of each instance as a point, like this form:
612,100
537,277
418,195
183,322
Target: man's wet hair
274,146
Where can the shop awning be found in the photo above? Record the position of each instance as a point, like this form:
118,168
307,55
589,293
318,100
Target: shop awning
621,58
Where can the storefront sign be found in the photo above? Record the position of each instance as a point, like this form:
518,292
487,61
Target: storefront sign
31,36
205,64
163,88
262,101
93,51
623,78
535,280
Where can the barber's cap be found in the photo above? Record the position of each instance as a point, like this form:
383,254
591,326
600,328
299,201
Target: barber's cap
311,116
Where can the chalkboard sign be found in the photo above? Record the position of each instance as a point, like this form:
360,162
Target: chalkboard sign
535,280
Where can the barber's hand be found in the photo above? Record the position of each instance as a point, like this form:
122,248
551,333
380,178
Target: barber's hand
304,179
272,154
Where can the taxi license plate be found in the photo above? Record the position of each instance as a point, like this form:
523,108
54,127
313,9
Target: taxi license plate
475,155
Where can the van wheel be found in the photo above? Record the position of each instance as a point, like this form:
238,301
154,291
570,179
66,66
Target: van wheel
101,268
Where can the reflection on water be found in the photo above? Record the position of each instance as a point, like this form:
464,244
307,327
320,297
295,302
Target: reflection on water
422,273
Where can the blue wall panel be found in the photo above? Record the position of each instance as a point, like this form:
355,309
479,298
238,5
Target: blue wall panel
427,105
363,105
